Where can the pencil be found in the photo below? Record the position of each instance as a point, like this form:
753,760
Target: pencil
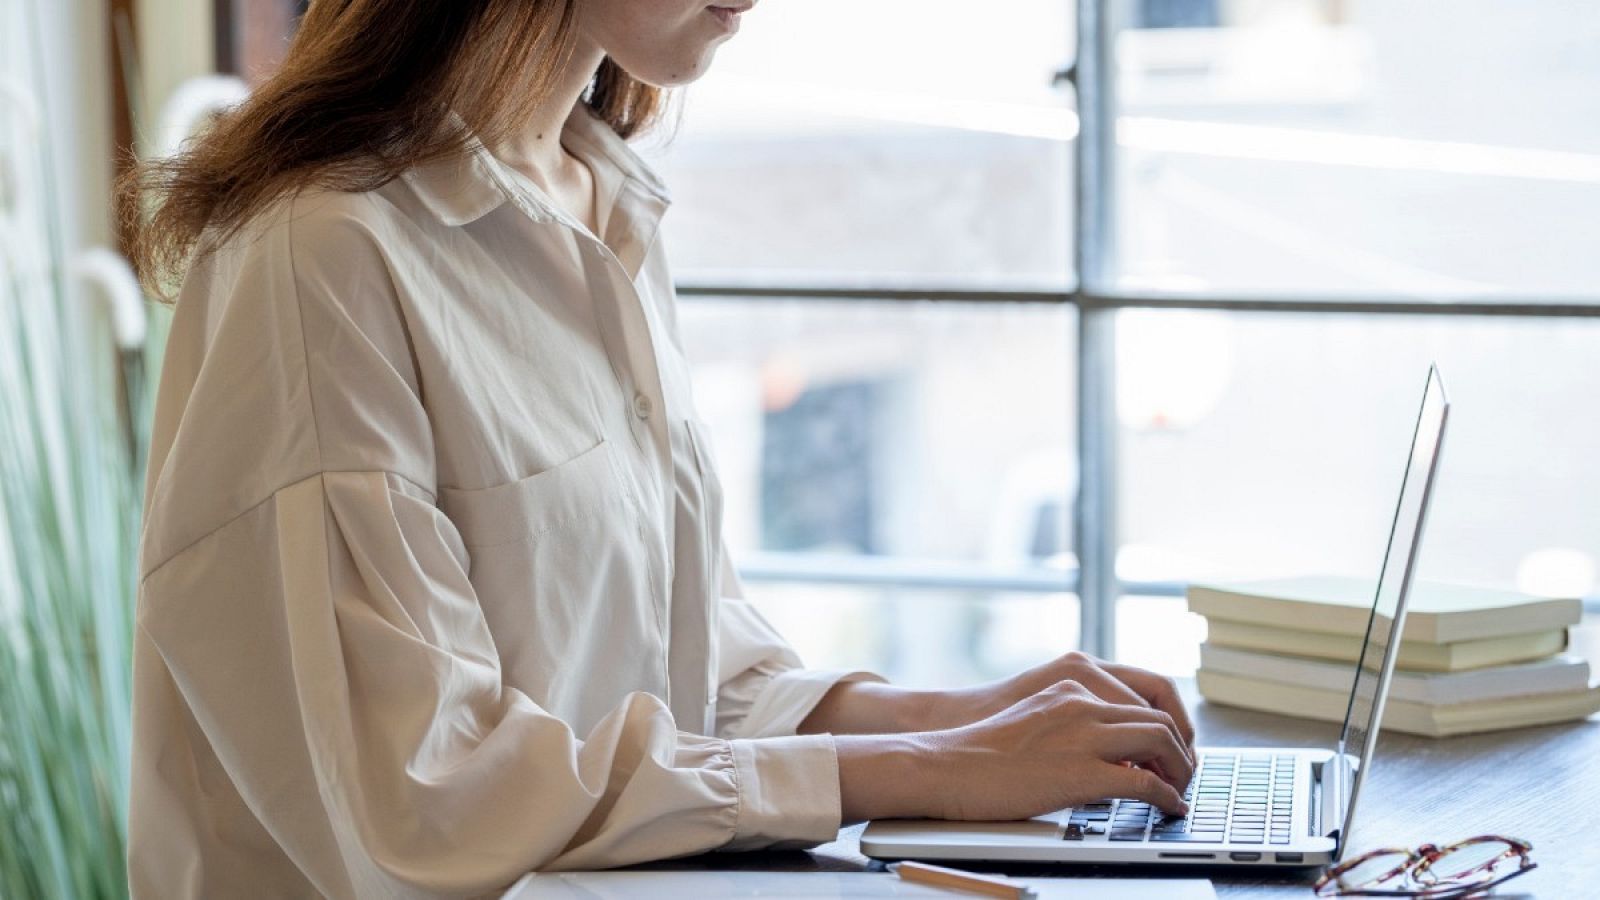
939,876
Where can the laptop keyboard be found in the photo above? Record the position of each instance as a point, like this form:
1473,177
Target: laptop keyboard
1235,798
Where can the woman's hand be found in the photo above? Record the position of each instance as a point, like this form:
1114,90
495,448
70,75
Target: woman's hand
1059,747
1111,682
865,707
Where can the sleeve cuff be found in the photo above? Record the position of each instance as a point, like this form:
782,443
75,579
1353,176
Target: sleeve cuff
789,697
788,792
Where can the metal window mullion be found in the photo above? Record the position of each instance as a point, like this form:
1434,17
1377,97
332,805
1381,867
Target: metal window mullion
1094,529
1546,308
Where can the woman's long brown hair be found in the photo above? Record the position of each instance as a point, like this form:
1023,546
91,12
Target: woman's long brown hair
366,91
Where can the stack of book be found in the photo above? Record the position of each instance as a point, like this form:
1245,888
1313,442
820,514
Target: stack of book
1470,659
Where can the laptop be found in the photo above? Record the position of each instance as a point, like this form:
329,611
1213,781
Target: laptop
1276,806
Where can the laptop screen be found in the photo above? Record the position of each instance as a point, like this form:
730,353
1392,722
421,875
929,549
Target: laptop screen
1360,733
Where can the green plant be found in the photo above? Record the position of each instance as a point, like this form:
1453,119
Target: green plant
72,414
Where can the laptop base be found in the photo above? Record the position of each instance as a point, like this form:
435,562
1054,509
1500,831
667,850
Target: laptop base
1092,835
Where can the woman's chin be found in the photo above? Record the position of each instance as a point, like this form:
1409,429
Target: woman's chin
670,76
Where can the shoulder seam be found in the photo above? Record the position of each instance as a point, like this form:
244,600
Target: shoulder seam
147,574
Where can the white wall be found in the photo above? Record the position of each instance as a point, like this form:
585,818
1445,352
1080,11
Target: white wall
176,43
73,57
74,51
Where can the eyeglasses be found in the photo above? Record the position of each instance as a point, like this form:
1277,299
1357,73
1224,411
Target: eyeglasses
1462,869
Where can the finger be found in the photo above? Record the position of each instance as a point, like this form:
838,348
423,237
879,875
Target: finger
1112,714
1160,692
1148,744
1069,688
1108,781
1104,679
1106,686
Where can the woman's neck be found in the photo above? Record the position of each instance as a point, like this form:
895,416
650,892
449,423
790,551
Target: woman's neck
536,148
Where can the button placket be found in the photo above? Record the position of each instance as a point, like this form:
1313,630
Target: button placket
642,372
624,329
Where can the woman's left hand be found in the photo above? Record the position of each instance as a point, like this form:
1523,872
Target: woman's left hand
866,707
1111,682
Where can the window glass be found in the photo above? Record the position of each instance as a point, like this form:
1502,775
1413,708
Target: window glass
1266,445
921,638
1368,147
870,141
939,431
934,439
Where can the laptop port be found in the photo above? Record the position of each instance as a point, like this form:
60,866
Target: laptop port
1291,857
1245,857
1187,855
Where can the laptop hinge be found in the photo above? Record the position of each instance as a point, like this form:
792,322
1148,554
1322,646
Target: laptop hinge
1333,788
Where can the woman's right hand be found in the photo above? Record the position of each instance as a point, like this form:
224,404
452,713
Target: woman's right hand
1060,747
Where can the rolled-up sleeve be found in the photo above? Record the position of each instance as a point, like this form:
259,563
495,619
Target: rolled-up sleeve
764,688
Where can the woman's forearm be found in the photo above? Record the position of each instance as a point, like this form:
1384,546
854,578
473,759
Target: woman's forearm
869,707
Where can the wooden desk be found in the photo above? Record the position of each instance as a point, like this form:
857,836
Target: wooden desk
1540,784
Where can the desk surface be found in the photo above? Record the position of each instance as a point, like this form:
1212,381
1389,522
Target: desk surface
1540,784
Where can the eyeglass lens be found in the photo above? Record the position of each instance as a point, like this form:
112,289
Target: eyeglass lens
1464,862
1374,870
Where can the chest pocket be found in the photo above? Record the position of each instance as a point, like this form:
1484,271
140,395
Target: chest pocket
529,508
558,564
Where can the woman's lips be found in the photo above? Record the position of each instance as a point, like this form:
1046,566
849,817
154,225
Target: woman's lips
727,16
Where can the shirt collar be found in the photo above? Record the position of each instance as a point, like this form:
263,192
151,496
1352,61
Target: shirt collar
590,138
461,189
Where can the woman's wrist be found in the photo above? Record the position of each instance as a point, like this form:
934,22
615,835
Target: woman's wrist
893,776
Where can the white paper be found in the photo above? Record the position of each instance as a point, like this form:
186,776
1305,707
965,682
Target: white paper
680,885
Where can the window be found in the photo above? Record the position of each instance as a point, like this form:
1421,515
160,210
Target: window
1374,153
899,467
1266,444
1363,147
1292,206
821,149
893,472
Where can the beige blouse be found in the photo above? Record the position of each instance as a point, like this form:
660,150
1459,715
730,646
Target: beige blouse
432,589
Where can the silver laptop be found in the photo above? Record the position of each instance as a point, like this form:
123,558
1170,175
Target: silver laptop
1275,806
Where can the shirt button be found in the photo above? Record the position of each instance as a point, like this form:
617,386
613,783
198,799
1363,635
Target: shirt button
641,406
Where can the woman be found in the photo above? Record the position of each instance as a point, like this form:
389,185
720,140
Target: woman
432,586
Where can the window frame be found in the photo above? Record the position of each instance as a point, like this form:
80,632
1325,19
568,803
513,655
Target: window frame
1097,300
